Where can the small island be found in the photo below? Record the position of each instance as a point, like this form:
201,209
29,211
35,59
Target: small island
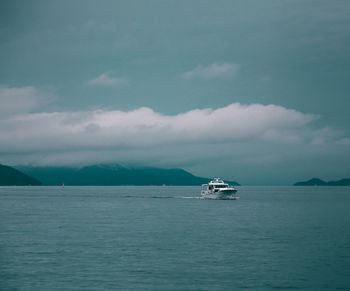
319,182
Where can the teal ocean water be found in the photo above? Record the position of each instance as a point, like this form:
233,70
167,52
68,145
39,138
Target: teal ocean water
165,238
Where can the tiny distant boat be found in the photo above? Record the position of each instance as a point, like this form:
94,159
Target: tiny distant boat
218,189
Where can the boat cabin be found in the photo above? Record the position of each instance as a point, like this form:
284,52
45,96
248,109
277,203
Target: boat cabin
216,183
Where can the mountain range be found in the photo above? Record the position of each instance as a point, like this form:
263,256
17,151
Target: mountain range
319,182
116,175
113,175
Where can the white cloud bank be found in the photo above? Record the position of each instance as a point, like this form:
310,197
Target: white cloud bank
106,79
145,127
212,71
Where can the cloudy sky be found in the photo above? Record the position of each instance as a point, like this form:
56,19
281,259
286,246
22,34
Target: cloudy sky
254,91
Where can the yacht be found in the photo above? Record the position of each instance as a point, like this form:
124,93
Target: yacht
218,189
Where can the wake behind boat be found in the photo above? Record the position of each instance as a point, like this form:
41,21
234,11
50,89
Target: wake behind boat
218,189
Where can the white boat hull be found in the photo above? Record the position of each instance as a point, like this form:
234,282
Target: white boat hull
221,194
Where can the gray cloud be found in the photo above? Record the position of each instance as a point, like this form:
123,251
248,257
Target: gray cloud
106,79
212,71
25,99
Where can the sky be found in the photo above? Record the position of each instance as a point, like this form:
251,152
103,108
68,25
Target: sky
252,91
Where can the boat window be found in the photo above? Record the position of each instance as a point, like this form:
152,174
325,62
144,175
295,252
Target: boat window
210,187
220,186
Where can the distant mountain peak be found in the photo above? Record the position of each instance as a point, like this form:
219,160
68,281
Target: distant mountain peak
12,177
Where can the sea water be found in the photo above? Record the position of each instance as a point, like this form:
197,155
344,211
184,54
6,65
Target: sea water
166,238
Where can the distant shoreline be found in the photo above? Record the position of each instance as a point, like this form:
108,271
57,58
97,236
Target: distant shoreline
319,182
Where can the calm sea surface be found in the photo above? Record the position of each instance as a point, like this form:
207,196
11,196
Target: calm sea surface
165,238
